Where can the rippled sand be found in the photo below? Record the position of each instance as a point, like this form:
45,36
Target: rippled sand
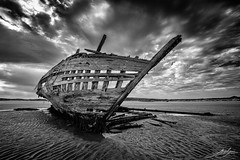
38,135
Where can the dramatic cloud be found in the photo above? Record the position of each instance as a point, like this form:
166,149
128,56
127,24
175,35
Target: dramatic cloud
21,47
205,64
13,9
43,20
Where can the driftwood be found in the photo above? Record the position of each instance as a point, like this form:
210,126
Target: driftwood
164,121
154,124
174,112
118,116
127,126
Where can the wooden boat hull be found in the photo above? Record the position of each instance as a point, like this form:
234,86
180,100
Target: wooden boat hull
83,85
85,82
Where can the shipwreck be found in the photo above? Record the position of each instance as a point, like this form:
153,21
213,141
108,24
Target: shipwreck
89,87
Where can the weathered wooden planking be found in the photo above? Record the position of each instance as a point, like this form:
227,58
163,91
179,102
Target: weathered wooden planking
106,56
96,62
98,92
68,70
82,105
80,100
105,64
56,68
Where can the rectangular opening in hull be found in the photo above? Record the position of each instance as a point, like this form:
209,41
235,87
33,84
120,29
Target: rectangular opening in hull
115,71
100,84
89,85
132,72
112,84
103,71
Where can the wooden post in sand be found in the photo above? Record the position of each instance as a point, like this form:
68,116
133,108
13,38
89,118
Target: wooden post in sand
154,61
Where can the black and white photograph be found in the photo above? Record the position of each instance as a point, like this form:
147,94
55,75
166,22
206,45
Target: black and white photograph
119,79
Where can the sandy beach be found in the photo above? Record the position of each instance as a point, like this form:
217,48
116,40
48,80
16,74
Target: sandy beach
39,135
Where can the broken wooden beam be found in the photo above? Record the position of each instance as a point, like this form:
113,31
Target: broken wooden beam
174,112
154,61
90,50
126,126
101,43
154,124
118,116
164,121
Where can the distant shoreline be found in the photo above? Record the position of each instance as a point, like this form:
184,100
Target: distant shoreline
21,99
233,98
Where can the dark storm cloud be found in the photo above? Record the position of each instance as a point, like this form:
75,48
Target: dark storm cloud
29,28
15,10
222,79
124,19
200,19
212,81
201,16
43,20
64,10
70,13
227,35
43,1
20,47
230,60
231,63
137,19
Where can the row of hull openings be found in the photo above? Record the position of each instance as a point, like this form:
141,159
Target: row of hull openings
103,78
93,71
91,85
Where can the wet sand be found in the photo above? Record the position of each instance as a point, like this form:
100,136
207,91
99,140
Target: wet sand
39,135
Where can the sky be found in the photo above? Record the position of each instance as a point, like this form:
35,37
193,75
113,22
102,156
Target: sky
36,34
